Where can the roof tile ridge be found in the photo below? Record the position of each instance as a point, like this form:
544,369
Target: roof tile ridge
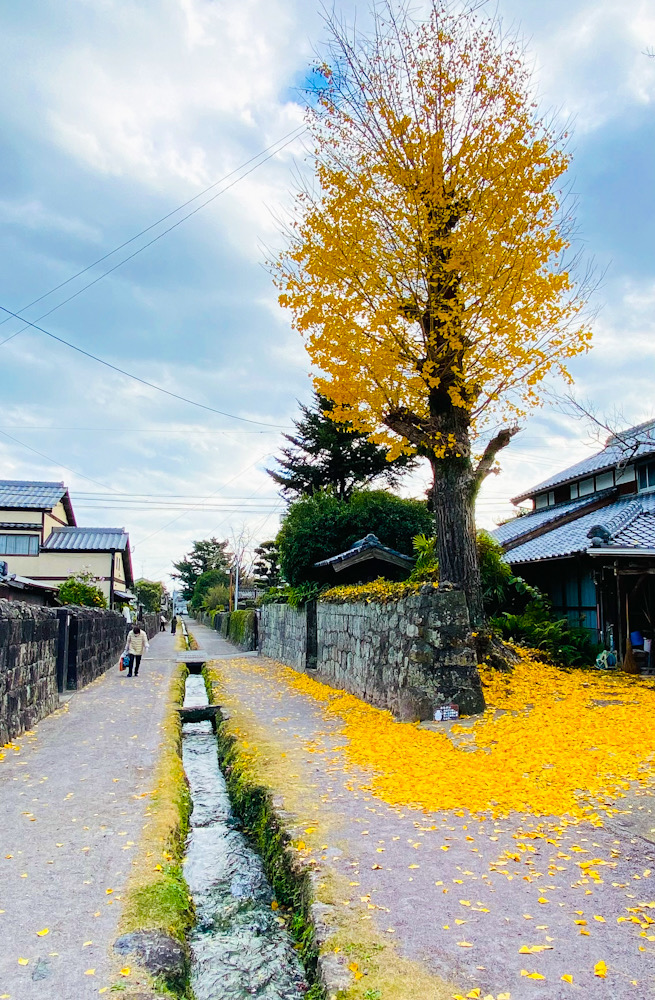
596,501
623,518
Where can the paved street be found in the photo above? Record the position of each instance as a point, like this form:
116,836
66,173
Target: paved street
438,880
73,805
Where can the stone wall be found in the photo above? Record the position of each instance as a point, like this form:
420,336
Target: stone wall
96,641
44,650
151,623
409,656
283,634
28,666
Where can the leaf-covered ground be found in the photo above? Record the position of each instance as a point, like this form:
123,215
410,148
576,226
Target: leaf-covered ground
552,742
502,857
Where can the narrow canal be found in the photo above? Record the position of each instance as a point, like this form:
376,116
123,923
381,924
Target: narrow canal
240,947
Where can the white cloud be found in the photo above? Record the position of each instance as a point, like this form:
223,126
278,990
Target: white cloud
32,214
591,60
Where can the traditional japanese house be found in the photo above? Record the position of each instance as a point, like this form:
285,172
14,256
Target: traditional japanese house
589,541
40,541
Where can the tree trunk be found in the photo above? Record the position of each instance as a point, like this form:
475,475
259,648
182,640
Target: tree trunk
454,510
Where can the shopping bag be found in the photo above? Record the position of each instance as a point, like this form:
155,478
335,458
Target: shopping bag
124,662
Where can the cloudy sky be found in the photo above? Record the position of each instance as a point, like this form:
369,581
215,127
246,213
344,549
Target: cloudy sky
116,112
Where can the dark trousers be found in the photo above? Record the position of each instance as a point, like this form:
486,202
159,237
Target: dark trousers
135,661
162,626
173,628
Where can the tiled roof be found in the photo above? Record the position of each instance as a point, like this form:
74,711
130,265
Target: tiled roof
640,532
369,543
30,496
630,523
635,442
86,539
528,522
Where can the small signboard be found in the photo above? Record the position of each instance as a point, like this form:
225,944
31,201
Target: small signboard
444,712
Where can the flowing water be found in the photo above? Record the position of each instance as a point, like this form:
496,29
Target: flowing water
240,948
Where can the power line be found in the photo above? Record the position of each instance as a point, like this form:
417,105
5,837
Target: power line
141,430
281,144
137,378
55,462
194,507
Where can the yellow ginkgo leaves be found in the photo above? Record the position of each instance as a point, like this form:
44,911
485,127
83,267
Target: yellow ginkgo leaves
529,748
43,933
531,975
354,968
600,970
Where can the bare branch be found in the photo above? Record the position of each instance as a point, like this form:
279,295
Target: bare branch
486,464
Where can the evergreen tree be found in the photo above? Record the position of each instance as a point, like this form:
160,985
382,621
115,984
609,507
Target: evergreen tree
205,555
325,454
267,565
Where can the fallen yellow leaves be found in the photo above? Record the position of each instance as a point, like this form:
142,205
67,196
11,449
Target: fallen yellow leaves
543,736
600,970
43,932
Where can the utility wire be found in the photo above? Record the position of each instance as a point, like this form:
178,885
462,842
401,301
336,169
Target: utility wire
196,506
137,378
275,147
55,462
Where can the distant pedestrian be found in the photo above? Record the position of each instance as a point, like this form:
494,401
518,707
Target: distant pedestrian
135,646
162,623
174,624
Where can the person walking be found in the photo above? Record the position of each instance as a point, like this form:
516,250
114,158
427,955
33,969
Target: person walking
135,646
174,624
162,623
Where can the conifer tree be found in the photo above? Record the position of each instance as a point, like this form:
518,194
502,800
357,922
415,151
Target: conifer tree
327,454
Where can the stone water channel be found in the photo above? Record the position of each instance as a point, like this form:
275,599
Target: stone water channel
240,947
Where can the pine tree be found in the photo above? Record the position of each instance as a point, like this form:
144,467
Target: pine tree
325,454
266,567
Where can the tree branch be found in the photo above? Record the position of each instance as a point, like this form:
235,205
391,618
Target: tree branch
497,443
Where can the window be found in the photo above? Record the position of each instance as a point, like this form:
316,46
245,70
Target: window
625,475
544,500
647,476
586,487
19,545
604,481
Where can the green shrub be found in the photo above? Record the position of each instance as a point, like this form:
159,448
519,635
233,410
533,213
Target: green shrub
320,526
565,644
81,589
297,597
217,598
242,629
502,591
204,583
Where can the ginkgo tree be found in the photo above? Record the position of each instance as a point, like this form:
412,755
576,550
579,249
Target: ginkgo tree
428,263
